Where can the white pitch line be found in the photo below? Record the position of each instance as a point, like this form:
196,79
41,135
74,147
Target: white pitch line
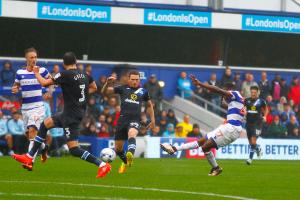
60,196
133,188
56,196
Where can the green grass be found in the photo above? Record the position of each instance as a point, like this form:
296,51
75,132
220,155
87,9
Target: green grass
63,176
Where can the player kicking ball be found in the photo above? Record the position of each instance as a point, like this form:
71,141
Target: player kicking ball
76,87
132,96
221,136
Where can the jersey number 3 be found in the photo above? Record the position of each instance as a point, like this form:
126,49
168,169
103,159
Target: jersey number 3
82,98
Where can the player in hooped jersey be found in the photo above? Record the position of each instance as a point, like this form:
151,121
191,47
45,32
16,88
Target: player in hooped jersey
32,102
76,87
221,136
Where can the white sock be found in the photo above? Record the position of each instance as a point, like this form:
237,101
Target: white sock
211,159
102,164
190,145
42,146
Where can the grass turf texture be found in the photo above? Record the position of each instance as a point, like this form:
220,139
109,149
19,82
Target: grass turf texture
261,180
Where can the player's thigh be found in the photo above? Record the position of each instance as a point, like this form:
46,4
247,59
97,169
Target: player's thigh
71,132
58,120
34,117
250,129
224,134
121,133
208,145
72,143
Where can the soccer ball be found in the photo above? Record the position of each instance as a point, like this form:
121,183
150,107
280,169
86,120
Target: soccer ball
107,155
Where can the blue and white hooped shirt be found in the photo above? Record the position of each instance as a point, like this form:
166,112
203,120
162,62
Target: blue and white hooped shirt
235,114
31,89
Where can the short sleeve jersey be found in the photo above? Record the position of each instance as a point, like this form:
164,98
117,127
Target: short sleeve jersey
31,89
254,109
75,89
131,101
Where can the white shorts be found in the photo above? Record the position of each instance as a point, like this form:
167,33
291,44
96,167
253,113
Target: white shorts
33,117
224,134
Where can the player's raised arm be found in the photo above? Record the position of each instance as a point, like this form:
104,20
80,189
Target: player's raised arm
151,113
109,83
211,88
44,82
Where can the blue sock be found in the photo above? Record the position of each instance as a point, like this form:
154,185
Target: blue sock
252,151
38,140
122,156
84,155
131,145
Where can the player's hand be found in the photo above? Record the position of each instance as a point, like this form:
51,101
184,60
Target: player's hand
36,69
111,79
264,119
151,125
194,79
15,89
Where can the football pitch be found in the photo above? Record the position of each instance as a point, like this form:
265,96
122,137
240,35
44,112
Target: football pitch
71,178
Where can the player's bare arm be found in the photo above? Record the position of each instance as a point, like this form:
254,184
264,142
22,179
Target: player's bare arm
211,88
151,113
44,82
92,87
109,83
15,88
266,112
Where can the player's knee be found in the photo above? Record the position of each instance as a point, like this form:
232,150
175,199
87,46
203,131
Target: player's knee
205,149
75,151
49,122
132,133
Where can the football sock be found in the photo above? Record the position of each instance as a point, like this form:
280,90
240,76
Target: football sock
131,145
122,156
211,159
252,150
38,141
84,155
190,145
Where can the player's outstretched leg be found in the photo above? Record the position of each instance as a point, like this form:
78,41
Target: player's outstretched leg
76,151
170,149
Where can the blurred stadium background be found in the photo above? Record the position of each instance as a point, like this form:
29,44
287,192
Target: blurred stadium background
245,42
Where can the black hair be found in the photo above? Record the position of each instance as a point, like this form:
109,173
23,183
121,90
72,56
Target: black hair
69,58
229,86
133,72
31,49
254,87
